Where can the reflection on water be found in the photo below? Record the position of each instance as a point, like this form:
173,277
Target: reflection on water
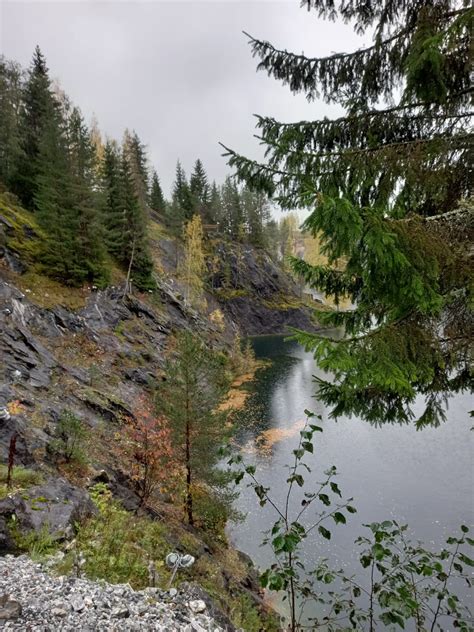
424,478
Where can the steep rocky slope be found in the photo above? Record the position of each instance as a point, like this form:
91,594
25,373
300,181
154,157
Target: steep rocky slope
97,353
256,293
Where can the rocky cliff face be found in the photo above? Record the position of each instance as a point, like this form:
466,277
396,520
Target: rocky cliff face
256,293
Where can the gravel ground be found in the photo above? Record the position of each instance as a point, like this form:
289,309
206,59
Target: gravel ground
49,603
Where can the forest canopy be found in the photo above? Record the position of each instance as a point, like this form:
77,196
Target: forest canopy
388,189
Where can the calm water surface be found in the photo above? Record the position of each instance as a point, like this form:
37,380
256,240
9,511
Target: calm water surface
424,478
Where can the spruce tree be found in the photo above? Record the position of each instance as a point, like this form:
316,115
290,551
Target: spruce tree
385,184
156,200
54,205
113,215
215,205
83,180
135,152
199,187
134,253
182,200
256,212
38,109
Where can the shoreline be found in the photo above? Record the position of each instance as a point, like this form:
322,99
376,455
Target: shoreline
237,396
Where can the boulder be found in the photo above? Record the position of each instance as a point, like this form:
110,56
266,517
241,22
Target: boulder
56,505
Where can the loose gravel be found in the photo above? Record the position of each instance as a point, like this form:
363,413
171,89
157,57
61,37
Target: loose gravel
40,602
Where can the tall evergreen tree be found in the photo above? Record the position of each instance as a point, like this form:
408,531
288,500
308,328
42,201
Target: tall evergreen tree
385,183
232,215
182,200
113,215
37,112
134,254
199,187
135,153
256,211
10,108
215,205
53,203
83,180
156,200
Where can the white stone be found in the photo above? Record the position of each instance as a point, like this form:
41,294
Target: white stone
197,605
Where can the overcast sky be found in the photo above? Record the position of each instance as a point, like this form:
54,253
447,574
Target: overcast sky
180,73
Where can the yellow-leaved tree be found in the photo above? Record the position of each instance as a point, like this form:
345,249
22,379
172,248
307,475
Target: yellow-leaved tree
193,264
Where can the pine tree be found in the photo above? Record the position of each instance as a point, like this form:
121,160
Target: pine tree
189,398
199,187
38,109
156,200
385,183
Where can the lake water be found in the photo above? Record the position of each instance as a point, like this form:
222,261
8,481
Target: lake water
423,478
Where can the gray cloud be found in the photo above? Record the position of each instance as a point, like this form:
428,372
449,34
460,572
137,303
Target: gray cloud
179,73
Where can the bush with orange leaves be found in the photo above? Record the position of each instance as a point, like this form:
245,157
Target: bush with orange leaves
144,448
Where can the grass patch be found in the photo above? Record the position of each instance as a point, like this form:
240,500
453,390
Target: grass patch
22,478
227,294
48,293
38,544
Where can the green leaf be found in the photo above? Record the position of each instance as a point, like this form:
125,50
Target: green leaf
335,489
379,551
296,478
324,532
339,518
324,498
467,560
278,543
308,446
351,509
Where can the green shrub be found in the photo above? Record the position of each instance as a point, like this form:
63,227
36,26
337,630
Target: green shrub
69,438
